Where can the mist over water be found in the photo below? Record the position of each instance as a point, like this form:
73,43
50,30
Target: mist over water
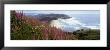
77,21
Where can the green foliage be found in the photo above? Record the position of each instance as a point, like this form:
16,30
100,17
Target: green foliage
21,30
88,35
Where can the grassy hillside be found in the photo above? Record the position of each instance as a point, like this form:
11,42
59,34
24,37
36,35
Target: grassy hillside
91,34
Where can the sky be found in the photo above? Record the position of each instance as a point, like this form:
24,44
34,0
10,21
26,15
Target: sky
80,18
63,11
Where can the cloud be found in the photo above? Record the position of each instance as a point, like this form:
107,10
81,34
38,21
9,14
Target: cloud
62,11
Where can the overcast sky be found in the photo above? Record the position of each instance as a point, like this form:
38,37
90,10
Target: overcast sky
64,12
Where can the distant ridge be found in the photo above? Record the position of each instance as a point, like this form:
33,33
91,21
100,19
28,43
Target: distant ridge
49,17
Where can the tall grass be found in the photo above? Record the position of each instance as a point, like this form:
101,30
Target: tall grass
28,28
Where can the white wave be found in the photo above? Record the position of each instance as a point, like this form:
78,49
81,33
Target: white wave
67,24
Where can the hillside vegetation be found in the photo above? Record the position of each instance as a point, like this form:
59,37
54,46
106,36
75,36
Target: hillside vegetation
28,28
